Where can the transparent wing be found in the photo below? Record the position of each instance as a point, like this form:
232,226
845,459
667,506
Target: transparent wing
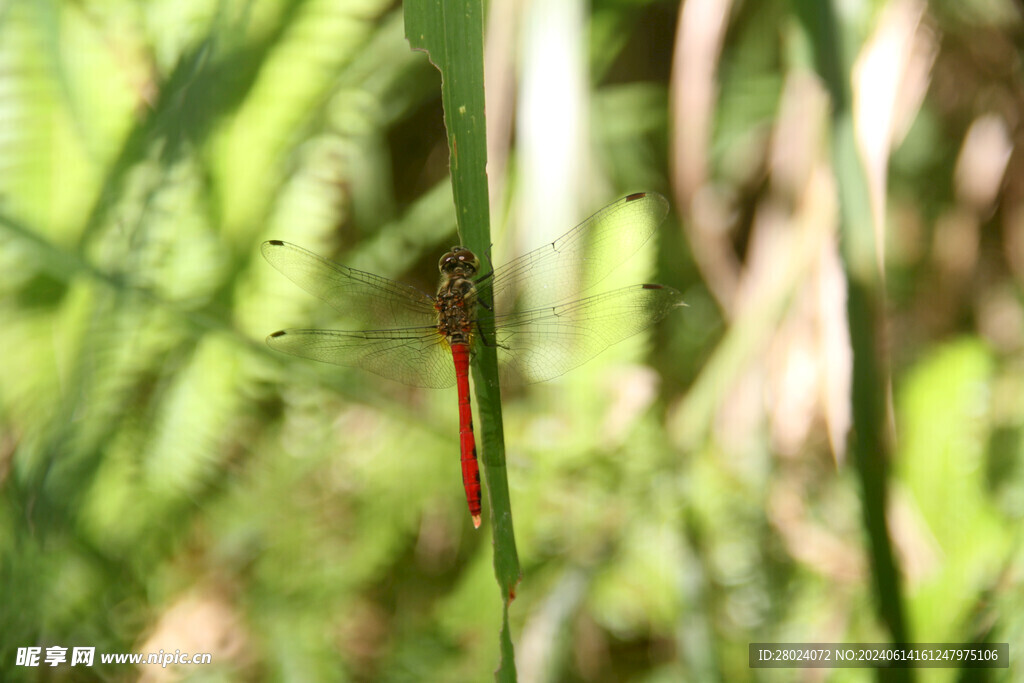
368,300
586,254
417,356
535,344
542,343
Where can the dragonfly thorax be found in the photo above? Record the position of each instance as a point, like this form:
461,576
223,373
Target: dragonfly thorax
456,295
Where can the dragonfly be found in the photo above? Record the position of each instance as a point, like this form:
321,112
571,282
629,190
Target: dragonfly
538,322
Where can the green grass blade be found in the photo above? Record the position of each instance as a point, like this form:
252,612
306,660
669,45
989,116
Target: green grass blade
451,32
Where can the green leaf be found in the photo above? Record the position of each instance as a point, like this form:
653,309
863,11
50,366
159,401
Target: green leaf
943,412
451,32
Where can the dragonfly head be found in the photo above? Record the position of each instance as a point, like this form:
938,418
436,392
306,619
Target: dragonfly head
459,262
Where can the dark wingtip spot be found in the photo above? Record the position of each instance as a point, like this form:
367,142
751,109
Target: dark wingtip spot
653,286
279,333
636,195
276,243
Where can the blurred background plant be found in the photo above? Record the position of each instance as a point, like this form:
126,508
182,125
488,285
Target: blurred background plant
168,482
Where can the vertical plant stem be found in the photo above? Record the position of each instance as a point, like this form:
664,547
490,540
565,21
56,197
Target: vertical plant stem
870,444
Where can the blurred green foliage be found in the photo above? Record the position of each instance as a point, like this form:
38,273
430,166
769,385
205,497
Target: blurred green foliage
166,482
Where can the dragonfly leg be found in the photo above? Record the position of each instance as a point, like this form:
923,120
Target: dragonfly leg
485,341
483,337
490,273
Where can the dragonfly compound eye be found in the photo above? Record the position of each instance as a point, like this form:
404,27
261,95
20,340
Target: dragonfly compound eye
469,262
448,261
